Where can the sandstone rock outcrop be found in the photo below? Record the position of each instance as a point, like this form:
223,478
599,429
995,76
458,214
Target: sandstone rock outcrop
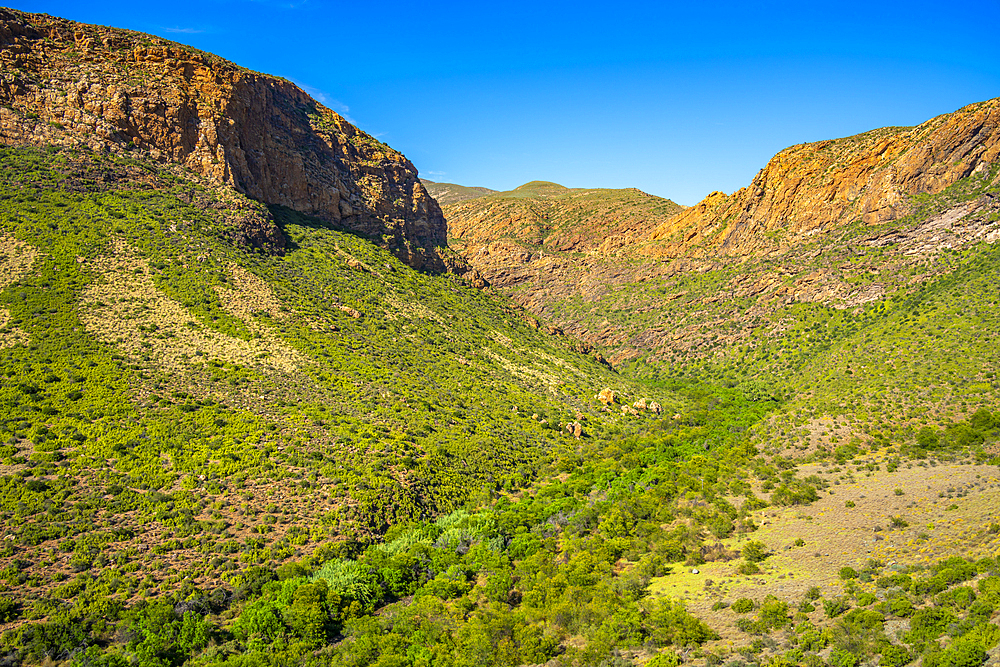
67,83
817,187
607,396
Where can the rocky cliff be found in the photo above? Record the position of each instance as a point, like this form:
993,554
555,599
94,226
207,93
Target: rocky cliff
818,187
67,83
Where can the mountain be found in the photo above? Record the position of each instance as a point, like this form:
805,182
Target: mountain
822,187
236,429
110,90
448,193
846,224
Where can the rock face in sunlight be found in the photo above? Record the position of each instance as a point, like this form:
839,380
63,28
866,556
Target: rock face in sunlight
70,84
818,187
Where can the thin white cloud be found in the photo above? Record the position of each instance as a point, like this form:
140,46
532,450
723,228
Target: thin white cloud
326,100
436,173
184,31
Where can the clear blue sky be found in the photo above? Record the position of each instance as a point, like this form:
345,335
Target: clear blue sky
677,99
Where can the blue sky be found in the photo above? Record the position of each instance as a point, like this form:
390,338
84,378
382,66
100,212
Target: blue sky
677,99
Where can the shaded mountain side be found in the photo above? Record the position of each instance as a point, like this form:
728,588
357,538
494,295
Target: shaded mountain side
107,89
449,193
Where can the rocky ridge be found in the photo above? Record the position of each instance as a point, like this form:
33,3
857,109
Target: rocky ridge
821,186
112,90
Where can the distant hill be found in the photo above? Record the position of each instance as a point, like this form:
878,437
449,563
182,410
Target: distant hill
449,193
543,216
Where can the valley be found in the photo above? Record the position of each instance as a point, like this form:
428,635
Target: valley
269,398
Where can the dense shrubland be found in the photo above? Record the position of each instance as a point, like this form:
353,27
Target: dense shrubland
404,490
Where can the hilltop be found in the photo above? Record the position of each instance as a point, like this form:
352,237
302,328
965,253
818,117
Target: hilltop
448,193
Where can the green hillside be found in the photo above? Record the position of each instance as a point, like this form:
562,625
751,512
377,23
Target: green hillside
156,371
220,455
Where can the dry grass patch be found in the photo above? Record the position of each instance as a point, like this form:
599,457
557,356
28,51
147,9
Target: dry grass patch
249,296
16,259
128,310
838,535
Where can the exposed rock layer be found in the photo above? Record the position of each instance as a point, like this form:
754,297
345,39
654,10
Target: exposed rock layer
67,83
820,186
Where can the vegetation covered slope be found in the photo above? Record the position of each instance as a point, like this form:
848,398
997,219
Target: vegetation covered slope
174,387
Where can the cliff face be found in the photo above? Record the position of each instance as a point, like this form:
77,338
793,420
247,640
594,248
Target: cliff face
815,188
66,83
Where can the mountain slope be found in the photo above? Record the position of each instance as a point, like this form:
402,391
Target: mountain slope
167,371
114,90
449,193
842,223
822,186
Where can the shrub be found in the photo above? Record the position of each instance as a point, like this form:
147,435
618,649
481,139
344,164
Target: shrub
664,659
960,597
864,598
670,623
901,607
755,551
773,613
843,658
742,606
928,624
835,607
962,653
894,656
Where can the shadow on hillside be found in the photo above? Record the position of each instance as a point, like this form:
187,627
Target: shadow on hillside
284,216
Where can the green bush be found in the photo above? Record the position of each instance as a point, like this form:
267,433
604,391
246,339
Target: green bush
894,656
755,551
930,623
961,653
901,606
835,607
